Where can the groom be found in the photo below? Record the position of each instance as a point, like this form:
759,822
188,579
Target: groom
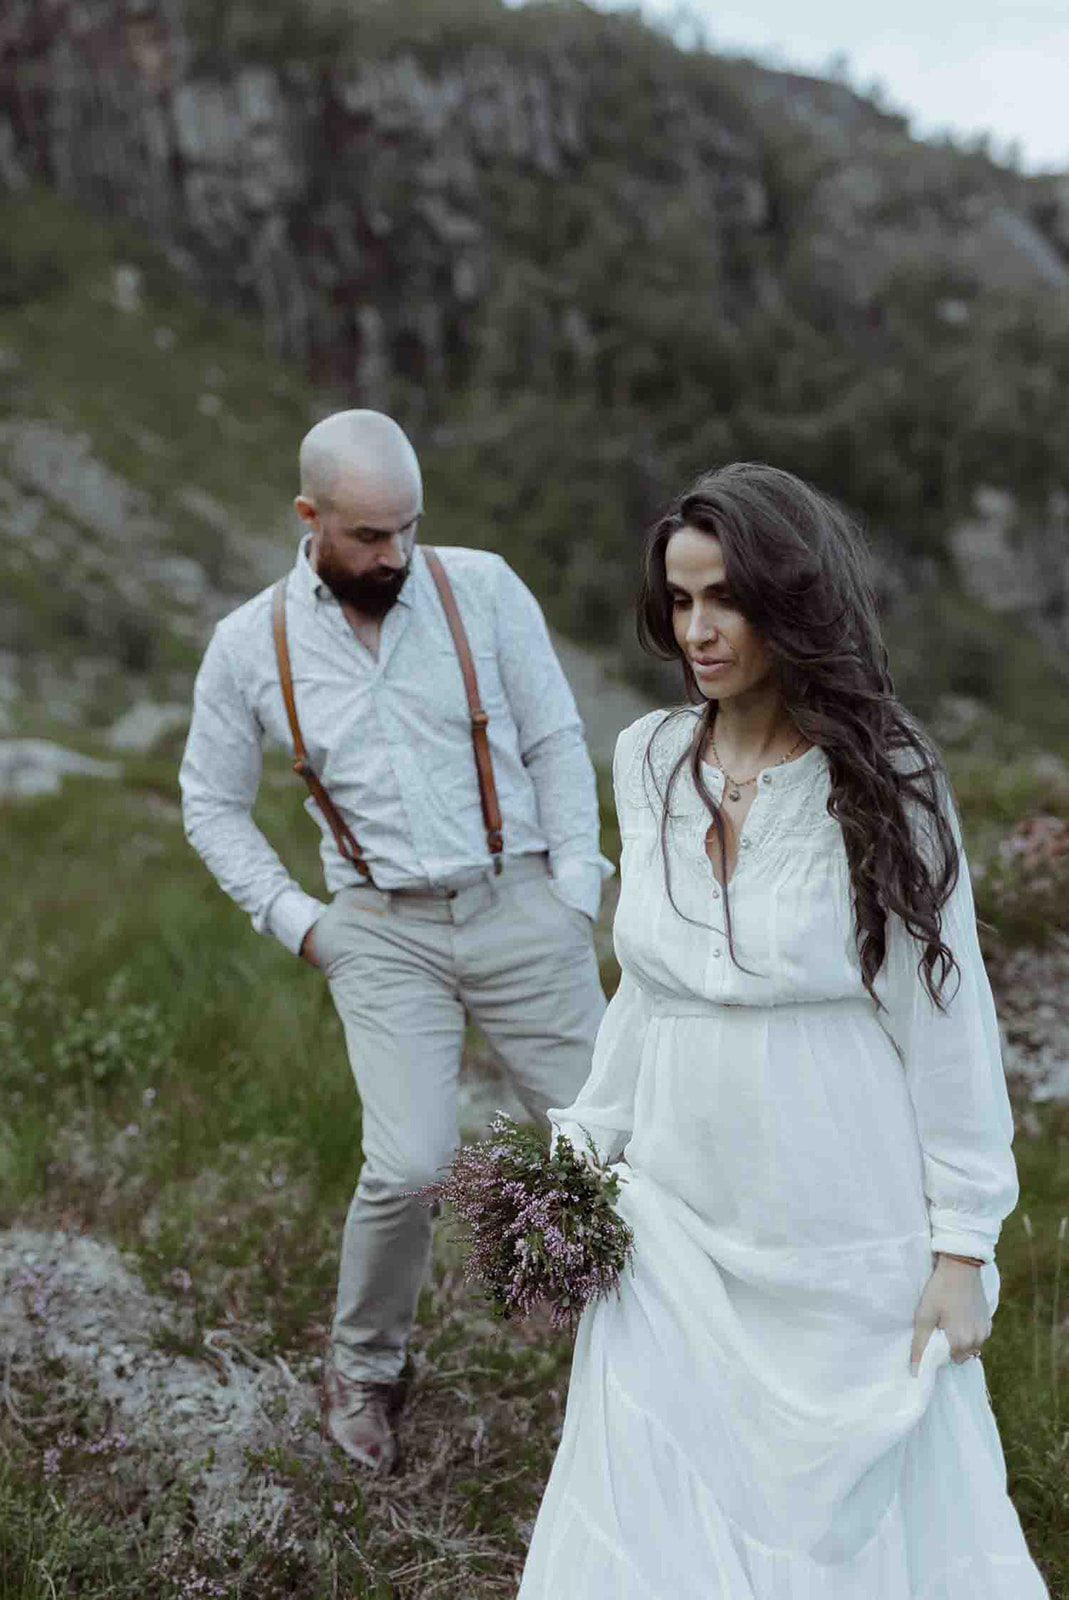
435,926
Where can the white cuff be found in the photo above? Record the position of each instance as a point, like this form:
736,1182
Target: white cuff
290,916
955,1233
577,881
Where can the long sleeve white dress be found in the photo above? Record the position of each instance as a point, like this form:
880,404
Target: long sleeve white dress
742,1423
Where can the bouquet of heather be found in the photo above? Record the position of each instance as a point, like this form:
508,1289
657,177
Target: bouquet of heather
540,1227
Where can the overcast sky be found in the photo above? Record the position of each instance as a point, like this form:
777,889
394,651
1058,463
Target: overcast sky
967,65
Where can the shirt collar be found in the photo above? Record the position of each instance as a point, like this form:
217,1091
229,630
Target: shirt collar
312,587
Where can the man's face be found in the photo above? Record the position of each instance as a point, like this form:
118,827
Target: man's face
362,541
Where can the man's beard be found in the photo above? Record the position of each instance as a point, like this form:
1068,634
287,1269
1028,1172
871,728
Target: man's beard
370,593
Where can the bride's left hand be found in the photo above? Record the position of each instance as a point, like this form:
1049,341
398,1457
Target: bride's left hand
953,1300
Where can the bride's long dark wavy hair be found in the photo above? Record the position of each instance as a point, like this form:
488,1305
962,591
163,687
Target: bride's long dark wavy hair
796,568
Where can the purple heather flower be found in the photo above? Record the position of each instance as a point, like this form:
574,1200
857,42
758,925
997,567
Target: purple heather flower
539,1227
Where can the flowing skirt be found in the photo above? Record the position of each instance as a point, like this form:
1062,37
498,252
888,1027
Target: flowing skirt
742,1423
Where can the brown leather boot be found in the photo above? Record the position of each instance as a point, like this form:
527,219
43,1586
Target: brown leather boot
360,1416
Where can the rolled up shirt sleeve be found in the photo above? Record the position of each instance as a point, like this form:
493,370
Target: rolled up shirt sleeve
219,779
954,1071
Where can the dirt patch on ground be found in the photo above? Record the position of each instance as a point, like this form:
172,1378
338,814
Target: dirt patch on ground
72,1307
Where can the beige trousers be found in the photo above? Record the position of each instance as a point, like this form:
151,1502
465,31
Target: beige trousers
405,973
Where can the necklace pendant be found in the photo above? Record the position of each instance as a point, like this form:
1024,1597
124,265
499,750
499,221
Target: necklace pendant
733,794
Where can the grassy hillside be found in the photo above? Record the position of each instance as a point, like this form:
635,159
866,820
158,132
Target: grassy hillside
177,1087
147,464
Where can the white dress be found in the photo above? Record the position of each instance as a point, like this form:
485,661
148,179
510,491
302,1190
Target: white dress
742,1423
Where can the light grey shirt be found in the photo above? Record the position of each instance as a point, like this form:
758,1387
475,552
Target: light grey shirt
390,737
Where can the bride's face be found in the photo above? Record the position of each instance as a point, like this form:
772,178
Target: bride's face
726,653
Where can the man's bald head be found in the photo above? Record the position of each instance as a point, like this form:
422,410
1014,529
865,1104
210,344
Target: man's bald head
362,498
361,457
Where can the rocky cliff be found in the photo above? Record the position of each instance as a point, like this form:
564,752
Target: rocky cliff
423,208
379,213
582,265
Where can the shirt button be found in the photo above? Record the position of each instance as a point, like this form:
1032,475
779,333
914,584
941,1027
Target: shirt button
716,892
766,777
745,843
716,954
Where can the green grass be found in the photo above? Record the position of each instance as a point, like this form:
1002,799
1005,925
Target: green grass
140,997
1025,1361
79,1521
178,1086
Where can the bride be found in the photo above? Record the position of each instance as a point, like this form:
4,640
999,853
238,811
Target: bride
801,1071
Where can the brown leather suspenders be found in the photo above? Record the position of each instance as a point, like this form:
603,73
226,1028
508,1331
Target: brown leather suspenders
343,837
484,767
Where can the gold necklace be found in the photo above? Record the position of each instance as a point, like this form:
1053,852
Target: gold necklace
733,786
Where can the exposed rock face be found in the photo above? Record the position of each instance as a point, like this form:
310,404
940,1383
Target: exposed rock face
31,767
880,202
75,1303
1014,564
59,467
351,207
102,550
384,214
143,723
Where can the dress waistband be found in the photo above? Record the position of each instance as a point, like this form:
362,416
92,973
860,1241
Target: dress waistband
669,1005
